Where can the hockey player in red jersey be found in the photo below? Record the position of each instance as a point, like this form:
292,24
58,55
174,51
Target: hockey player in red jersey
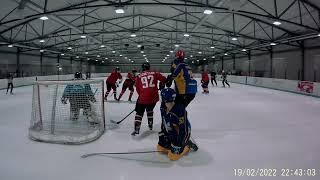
146,85
205,81
129,83
111,83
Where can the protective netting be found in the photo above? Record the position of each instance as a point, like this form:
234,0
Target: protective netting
67,112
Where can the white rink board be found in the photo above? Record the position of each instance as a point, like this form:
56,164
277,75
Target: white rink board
278,84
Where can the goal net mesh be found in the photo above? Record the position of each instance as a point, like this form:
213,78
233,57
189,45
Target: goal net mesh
67,112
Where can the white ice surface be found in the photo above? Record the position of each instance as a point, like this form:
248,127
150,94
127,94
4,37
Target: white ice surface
237,127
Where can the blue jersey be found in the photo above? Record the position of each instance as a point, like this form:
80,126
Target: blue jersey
177,125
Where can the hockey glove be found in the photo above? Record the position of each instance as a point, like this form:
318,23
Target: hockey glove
93,99
176,149
64,100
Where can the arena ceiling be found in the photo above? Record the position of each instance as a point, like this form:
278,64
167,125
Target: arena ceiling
149,29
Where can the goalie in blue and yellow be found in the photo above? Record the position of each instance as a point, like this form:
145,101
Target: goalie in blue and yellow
174,137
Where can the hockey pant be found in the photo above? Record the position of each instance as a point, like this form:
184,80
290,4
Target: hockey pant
214,80
88,112
140,109
124,88
225,81
10,86
109,87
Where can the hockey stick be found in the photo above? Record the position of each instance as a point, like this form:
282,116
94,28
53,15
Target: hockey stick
115,153
118,122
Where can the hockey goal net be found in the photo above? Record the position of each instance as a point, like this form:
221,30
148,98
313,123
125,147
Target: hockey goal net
67,112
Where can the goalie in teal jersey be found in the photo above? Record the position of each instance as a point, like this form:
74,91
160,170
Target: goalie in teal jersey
80,96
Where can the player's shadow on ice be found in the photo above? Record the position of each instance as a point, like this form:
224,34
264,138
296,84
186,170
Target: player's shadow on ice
160,160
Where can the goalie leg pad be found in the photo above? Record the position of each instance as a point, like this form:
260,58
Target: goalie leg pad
74,112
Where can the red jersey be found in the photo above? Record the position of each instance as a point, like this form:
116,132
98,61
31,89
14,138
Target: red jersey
205,77
130,79
114,76
131,76
147,86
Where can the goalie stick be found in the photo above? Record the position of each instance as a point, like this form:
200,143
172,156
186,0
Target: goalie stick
117,153
118,122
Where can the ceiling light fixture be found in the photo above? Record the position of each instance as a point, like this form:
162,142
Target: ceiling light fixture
243,50
212,47
44,18
42,41
133,35
69,48
176,45
277,23
234,39
273,44
207,11
83,36
98,56
102,46
41,50
62,54
119,11
186,35
113,51
10,45
86,52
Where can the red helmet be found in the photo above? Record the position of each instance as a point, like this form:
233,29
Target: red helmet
180,54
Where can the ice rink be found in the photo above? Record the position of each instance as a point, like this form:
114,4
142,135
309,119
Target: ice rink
237,127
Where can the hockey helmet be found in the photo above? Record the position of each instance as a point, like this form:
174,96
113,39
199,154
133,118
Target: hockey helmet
180,54
78,75
134,71
168,95
145,66
117,69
